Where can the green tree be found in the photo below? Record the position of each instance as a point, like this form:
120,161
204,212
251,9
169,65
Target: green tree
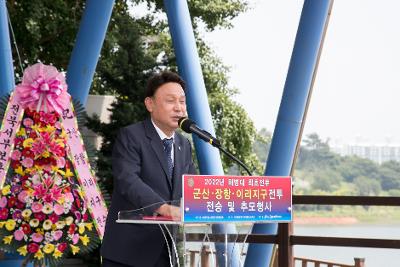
313,141
326,180
316,154
45,30
366,186
352,167
390,175
125,73
262,145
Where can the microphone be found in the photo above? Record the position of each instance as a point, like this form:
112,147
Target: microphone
189,126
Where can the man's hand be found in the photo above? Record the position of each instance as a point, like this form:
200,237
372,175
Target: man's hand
169,210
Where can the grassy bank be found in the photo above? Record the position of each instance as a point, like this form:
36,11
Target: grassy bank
389,215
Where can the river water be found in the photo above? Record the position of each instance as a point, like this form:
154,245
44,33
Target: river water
345,255
373,257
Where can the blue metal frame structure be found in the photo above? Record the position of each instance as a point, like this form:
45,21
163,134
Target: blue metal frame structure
184,43
292,110
7,82
86,52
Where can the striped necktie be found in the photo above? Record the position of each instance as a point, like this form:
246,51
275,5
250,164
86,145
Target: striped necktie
168,153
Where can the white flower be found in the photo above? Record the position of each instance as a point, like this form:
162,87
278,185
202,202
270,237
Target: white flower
28,201
67,207
69,220
47,225
47,208
36,179
57,179
48,237
60,224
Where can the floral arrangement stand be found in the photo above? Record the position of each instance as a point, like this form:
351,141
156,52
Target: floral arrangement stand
50,204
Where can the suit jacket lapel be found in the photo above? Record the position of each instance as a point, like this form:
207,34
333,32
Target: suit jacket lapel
157,147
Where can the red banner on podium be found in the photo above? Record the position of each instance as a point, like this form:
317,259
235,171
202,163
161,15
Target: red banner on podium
210,198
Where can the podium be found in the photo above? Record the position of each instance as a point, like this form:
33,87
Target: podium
210,199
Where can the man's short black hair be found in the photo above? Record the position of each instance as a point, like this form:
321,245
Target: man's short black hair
161,78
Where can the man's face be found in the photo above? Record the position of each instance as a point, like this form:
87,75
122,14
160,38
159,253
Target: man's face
166,106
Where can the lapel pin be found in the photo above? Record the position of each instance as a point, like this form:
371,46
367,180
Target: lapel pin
179,148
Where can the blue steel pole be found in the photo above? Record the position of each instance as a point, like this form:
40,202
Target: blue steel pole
86,52
7,81
198,108
293,107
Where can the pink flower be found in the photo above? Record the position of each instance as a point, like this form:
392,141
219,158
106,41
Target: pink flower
48,182
27,162
3,202
28,122
47,167
57,234
39,191
58,209
69,197
48,118
56,192
38,147
78,215
36,207
18,235
16,154
75,238
48,198
60,162
58,125
22,196
56,149
37,237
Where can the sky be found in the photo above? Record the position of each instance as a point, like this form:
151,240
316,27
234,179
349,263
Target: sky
357,88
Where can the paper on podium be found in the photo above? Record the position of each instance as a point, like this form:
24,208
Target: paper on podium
140,216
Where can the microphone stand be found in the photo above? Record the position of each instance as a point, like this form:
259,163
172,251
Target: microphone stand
215,143
189,126
229,154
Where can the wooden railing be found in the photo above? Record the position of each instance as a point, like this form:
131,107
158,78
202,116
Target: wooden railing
202,258
318,263
286,240
204,254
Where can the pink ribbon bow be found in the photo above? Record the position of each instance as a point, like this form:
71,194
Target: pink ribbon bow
43,88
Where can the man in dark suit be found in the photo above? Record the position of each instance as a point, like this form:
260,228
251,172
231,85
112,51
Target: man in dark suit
149,159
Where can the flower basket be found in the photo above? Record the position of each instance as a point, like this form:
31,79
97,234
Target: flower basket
47,205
